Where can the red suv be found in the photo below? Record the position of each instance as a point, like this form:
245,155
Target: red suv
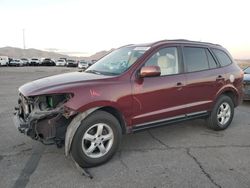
132,88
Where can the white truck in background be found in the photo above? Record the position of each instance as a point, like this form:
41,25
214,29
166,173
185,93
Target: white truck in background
4,60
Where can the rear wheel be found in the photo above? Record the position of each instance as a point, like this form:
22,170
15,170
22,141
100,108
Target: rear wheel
222,113
96,140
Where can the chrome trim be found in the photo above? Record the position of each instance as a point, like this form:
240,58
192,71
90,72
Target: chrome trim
159,121
170,109
171,118
196,113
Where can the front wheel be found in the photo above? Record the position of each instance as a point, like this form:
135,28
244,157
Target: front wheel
222,114
96,140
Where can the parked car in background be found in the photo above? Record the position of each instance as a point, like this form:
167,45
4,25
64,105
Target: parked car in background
71,63
4,60
61,62
92,62
10,59
151,85
63,58
25,61
48,62
16,62
246,83
83,64
35,62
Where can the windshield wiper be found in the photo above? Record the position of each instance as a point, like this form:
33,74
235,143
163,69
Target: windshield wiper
93,71
102,73
110,73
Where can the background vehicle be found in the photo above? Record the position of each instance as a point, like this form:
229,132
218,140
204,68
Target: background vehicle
48,62
61,62
246,83
83,64
133,88
63,58
71,63
16,62
92,62
35,62
4,60
25,61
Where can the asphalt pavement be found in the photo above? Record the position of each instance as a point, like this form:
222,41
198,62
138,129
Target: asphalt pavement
182,155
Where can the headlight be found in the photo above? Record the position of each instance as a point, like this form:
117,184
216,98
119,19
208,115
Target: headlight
48,102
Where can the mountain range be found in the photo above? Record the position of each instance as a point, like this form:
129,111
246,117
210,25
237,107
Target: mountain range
13,52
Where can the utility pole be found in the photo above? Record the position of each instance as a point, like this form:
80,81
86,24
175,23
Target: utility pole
24,39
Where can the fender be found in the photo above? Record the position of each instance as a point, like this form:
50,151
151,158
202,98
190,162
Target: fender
73,126
226,88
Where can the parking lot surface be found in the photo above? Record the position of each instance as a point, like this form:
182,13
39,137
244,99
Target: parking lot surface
182,155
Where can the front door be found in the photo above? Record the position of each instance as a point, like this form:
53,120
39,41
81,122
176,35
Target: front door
158,99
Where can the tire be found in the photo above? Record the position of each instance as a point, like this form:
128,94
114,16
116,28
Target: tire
93,145
222,113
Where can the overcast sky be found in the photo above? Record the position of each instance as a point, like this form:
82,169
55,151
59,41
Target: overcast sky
88,26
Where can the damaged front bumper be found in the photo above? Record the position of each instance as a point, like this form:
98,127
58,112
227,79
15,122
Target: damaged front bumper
47,125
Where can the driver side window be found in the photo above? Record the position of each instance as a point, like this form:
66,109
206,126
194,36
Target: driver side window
166,59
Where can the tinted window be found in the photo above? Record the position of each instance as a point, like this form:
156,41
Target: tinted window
222,57
166,59
211,61
195,59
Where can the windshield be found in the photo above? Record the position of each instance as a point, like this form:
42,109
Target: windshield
117,61
247,70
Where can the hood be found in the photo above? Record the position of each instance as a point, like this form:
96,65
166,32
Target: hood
57,81
247,77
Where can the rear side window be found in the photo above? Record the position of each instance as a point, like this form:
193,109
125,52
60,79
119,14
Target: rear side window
211,61
222,57
195,59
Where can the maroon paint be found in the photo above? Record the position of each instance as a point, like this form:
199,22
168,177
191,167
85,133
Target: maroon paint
142,100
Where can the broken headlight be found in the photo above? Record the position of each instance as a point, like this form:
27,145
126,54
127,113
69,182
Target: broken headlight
48,102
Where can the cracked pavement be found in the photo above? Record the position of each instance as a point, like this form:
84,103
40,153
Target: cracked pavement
182,155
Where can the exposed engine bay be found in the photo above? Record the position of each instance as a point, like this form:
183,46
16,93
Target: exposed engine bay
44,117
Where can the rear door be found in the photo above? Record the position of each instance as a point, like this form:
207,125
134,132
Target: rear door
204,79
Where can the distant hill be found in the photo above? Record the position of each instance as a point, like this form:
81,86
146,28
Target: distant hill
29,53
243,63
99,55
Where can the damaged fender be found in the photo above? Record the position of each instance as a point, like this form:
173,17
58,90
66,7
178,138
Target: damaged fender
73,126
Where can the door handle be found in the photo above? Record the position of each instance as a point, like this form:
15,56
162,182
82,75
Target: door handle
179,84
219,78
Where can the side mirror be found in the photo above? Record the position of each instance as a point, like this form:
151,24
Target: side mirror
150,71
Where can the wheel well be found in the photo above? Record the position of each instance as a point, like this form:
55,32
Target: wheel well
232,95
118,115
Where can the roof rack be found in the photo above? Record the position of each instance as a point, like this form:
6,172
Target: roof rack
184,41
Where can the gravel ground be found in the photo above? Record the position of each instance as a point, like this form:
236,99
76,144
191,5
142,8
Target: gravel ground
183,155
